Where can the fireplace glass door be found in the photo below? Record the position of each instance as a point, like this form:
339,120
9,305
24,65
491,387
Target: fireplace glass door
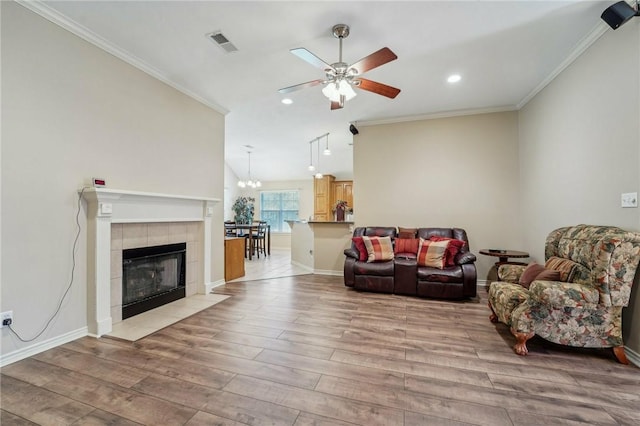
151,277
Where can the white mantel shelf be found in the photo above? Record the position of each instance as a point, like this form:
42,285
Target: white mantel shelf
119,193
106,206
123,206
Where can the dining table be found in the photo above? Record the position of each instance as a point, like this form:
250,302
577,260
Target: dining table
248,230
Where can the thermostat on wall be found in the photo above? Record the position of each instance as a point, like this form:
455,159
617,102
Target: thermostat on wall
99,182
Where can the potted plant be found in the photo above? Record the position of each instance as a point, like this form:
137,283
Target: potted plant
243,210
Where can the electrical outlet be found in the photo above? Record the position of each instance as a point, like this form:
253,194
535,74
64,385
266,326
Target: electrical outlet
4,317
629,199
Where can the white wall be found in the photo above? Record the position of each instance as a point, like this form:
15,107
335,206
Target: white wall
231,191
450,172
580,148
71,111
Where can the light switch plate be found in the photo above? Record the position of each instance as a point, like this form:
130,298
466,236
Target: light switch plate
629,199
106,208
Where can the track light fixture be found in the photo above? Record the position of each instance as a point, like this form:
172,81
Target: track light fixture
326,151
619,13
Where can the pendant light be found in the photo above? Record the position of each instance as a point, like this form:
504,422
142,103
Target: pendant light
311,167
249,182
318,174
327,151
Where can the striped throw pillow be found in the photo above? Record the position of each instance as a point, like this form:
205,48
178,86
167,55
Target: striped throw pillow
566,267
432,253
379,249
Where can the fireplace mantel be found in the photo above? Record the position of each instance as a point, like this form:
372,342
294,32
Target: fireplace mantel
106,206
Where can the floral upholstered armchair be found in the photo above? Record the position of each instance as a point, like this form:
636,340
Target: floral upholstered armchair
597,265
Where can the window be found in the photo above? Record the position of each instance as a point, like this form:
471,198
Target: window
278,206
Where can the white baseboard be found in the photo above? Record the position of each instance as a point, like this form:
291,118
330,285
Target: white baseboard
481,283
303,266
210,286
328,272
632,356
23,353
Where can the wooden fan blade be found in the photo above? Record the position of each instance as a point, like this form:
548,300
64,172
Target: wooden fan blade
309,57
300,86
338,105
374,60
375,87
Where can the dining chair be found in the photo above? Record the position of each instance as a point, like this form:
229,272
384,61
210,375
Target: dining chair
258,235
230,229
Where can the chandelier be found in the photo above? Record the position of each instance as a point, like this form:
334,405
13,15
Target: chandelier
249,182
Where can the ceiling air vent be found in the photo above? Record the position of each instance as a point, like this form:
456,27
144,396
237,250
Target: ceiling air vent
218,38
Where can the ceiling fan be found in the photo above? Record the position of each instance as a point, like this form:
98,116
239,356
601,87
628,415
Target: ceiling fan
341,77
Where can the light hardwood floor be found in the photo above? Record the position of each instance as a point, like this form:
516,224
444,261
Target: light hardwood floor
306,350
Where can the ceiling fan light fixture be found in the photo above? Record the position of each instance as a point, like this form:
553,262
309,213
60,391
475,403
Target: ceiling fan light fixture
454,78
332,91
346,90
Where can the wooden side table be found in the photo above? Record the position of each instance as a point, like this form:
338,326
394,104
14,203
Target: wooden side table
504,255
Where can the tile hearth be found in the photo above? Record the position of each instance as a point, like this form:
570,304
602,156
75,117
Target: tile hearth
149,322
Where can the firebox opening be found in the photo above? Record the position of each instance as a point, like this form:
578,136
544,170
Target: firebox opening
152,277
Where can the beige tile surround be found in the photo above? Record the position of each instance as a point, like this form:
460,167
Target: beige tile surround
134,235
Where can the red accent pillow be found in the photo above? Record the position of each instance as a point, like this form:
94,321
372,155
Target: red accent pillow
362,250
453,248
406,245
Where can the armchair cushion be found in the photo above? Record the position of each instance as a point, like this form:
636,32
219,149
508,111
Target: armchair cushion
557,294
379,249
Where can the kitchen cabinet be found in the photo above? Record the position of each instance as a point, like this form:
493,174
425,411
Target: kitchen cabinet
323,198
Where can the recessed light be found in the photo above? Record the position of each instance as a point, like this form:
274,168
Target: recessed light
454,78
287,101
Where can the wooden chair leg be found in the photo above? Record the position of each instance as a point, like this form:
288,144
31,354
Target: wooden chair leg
521,342
618,351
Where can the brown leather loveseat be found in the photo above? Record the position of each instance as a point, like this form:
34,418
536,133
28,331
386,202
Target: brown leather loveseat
403,275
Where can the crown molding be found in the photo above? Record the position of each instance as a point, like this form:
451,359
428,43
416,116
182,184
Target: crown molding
580,48
444,114
52,15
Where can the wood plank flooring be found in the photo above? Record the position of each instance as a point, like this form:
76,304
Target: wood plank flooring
306,350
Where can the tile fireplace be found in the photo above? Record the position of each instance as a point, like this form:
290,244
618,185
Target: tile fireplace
120,220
